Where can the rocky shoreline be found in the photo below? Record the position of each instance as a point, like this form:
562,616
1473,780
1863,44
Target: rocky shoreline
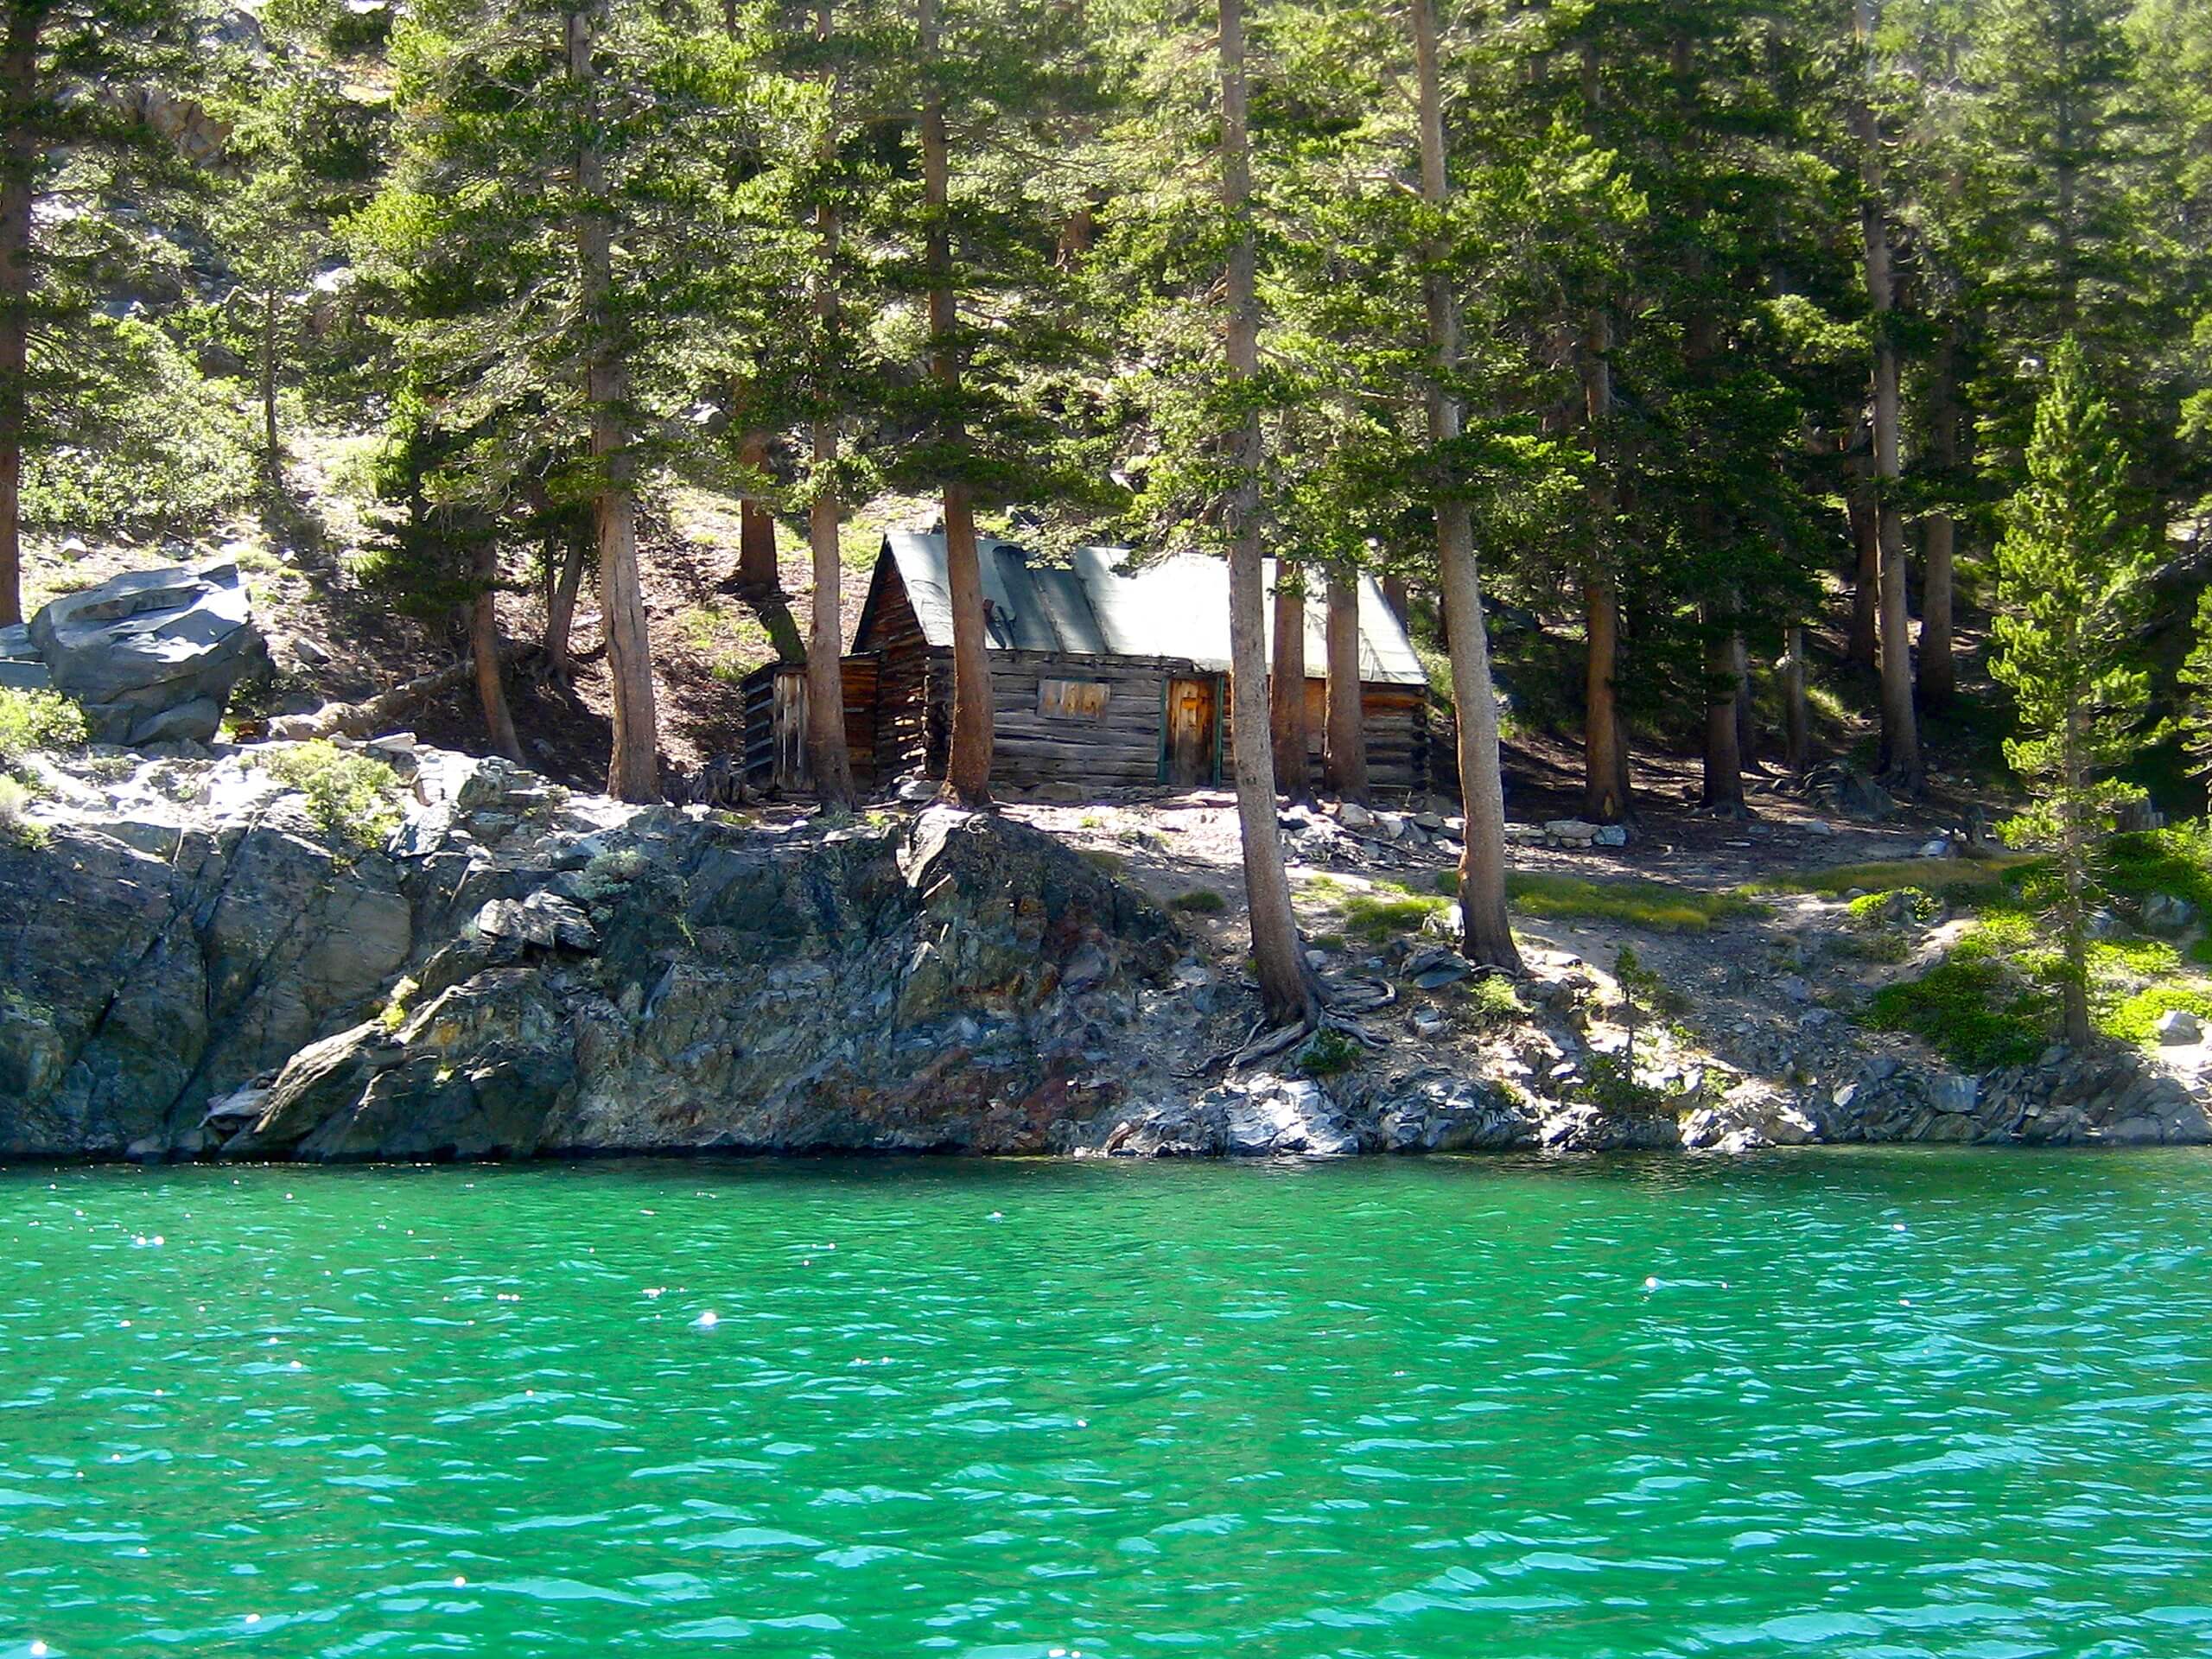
202,968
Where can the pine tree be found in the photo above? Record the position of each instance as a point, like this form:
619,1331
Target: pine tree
2073,574
79,80
558,224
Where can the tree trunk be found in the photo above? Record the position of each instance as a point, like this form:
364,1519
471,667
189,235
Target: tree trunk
272,449
561,608
1900,731
827,760
1285,989
1938,681
1604,745
1604,739
1344,738
484,648
18,166
1747,737
1723,767
1394,595
1867,578
1938,669
1286,686
633,768
1796,718
968,769
1485,935
759,579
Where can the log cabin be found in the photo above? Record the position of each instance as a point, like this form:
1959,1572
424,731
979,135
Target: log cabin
1104,676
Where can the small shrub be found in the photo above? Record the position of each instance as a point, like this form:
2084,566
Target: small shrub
349,795
1877,910
2135,1018
1493,1003
1611,1084
606,873
1328,1053
16,797
1974,1009
37,719
1199,901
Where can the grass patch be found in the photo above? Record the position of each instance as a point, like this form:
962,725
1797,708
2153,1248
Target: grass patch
1959,881
1650,904
1198,902
349,795
16,829
1376,917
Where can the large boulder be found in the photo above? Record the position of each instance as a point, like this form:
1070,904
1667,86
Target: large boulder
153,654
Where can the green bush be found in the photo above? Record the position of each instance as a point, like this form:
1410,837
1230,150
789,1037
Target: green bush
37,719
1199,901
349,795
2175,861
1974,1010
1493,1002
2134,1020
1875,910
1328,1052
16,795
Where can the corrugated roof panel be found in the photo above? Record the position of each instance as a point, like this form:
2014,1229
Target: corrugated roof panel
1175,607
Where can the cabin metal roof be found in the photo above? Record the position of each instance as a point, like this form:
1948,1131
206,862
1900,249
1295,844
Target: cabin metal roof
1094,606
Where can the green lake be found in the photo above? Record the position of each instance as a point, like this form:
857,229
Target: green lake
1849,1403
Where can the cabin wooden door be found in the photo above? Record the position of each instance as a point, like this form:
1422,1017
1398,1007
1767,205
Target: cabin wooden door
789,724
1192,740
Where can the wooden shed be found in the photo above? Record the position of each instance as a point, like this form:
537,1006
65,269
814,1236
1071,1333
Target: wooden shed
1103,677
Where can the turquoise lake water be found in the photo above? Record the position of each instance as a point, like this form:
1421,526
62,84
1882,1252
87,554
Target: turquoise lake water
1851,1404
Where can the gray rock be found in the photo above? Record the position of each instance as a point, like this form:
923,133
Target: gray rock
2165,913
2177,1028
1573,832
1938,847
1610,835
1353,815
154,654
1794,987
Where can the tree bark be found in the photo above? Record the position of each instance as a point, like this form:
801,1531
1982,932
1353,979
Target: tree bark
1604,739
1344,737
19,150
968,767
1286,988
1900,730
484,648
827,760
561,608
272,448
1861,648
1485,934
1394,595
759,579
1796,718
633,768
1938,679
1286,686
1723,764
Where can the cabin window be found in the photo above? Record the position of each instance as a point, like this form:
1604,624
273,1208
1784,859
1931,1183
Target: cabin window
1072,699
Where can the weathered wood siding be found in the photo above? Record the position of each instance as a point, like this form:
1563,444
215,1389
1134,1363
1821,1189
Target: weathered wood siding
906,675
774,699
1117,747
1397,733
